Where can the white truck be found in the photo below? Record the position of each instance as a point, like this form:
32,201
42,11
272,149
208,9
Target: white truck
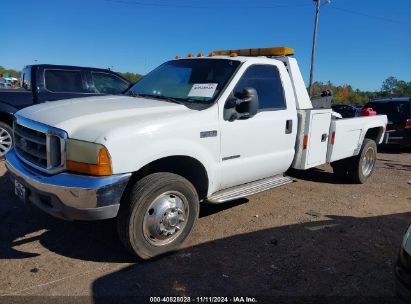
198,129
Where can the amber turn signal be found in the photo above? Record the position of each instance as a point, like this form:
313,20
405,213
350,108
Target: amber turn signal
102,168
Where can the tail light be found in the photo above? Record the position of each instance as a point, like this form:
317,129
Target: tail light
332,138
408,123
305,142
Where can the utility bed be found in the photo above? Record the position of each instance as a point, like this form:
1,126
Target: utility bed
323,138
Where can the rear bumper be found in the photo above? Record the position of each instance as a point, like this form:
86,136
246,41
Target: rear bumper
395,138
69,196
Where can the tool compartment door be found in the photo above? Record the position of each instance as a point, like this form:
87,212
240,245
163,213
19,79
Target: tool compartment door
312,138
318,138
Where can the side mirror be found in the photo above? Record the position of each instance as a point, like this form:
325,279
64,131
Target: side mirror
242,105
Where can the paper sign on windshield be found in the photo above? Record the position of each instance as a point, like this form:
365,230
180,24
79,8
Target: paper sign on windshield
203,90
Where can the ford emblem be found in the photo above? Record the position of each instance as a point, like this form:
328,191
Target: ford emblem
23,144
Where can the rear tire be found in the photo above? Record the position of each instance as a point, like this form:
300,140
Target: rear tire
358,169
157,214
362,166
6,139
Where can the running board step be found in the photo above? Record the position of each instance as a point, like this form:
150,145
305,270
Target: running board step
249,189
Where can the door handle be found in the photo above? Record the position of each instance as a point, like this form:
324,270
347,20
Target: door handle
289,126
324,137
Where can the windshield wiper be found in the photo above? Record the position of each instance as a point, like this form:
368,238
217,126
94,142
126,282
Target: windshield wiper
171,99
161,97
134,94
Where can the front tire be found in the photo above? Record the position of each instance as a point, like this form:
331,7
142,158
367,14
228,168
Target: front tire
157,214
6,139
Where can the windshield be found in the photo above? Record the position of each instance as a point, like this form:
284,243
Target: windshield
393,109
186,80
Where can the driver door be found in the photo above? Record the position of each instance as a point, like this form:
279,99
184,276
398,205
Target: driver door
263,145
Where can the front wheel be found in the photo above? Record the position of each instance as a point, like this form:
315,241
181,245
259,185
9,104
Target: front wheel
157,214
6,139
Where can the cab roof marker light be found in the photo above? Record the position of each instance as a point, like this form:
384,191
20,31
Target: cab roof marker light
211,54
273,51
200,54
190,55
178,57
233,55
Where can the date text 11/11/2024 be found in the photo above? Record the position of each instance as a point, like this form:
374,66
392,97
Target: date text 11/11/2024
203,300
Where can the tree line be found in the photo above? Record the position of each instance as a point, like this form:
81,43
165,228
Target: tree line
345,94
11,72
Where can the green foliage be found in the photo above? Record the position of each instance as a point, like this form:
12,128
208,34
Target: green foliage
11,72
131,76
394,87
345,94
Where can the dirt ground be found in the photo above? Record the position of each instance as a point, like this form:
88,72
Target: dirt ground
265,245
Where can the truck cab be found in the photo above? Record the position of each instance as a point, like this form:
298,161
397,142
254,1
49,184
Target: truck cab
194,130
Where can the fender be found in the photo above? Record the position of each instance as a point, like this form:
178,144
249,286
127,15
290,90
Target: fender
6,108
139,156
374,123
6,113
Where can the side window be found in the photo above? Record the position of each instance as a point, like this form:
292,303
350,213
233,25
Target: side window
265,79
26,78
62,81
108,84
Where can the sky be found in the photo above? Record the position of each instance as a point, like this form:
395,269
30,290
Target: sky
359,42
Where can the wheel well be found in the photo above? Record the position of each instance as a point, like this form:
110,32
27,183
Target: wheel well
374,133
6,118
185,166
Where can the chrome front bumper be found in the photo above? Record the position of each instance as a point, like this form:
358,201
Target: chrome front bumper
69,196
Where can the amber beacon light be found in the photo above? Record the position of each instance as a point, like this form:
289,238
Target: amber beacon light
273,51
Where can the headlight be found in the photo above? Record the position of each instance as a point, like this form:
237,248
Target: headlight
88,158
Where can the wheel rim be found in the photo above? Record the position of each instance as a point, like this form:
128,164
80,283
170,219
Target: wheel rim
165,218
6,141
368,161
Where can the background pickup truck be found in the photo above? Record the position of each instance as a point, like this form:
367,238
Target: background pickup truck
398,111
207,129
42,83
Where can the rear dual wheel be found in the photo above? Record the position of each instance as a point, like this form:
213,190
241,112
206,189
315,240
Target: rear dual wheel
157,214
358,169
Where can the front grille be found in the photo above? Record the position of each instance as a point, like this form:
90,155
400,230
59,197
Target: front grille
40,146
31,144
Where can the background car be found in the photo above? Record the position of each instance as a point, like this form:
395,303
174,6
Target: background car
45,83
346,111
398,111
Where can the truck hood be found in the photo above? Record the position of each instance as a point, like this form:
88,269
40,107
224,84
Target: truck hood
92,117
